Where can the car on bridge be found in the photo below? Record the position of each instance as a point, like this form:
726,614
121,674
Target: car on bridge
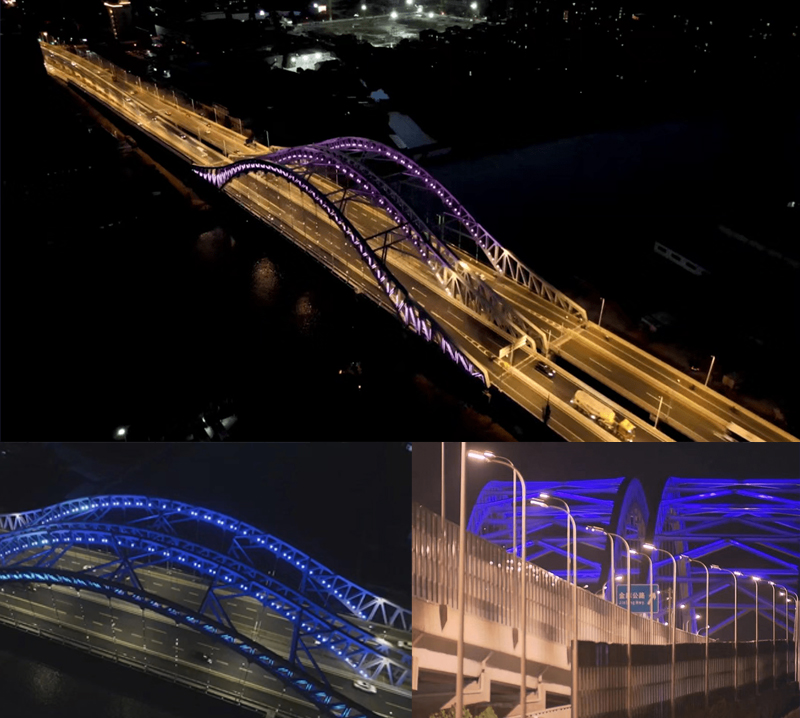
405,645
545,369
364,686
203,657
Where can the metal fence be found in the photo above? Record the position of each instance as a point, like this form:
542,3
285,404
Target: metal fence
603,676
492,590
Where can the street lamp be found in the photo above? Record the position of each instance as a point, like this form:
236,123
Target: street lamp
602,306
756,579
708,620
650,574
796,644
708,376
490,457
785,594
735,626
571,520
772,585
628,593
658,412
672,620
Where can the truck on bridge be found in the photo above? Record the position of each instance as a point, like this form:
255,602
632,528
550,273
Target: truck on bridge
603,415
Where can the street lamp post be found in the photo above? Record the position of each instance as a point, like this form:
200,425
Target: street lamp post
756,579
628,593
570,520
785,594
462,536
523,686
602,306
796,644
672,620
658,412
650,575
772,584
735,626
442,484
708,621
708,376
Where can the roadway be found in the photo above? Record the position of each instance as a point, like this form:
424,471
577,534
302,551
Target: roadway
687,405
118,626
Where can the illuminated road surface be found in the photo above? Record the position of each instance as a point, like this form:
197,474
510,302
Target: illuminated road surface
696,411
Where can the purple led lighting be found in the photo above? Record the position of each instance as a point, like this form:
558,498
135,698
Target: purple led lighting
393,289
501,259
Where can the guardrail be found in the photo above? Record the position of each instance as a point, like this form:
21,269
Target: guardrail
492,590
143,667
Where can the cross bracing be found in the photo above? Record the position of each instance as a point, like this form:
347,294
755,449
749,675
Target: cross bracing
411,313
317,692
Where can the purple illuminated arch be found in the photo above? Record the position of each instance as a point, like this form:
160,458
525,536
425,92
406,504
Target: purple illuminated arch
411,314
379,193
500,258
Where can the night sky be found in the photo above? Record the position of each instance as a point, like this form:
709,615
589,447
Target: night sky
346,504
652,464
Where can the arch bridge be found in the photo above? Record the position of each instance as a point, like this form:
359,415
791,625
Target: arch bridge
412,220
329,615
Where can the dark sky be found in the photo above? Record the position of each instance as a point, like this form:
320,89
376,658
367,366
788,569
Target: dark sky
652,464
346,504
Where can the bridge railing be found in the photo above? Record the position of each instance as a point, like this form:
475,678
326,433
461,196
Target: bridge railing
492,590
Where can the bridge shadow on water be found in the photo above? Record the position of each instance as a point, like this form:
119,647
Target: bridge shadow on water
40,678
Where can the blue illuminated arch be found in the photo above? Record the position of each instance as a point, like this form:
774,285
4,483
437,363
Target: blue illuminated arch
293,676
243,541
610,503
235,556
752,526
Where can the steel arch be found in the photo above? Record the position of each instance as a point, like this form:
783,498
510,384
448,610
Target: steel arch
612,503
243,541
451,273
410,313
500,258
344,640
293,676
744,525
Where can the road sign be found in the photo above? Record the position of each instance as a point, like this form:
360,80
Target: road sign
642,595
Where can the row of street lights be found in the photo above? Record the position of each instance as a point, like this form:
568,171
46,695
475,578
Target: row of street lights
572,563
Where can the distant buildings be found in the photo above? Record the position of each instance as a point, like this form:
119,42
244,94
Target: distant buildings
121,18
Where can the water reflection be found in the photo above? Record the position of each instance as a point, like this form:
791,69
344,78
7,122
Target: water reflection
306,314
47,684
213,245
265,281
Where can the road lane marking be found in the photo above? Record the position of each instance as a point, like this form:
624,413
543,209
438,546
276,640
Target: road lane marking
602,366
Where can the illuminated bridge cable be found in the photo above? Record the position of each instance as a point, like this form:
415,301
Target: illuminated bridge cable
325,698
500,258
410,313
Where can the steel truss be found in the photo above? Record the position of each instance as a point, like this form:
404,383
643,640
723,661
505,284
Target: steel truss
410,313
453,275
237,539
617,504
292,675
237,558
751,526
500,258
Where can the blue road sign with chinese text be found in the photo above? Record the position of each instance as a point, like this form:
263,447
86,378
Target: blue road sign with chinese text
642,595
